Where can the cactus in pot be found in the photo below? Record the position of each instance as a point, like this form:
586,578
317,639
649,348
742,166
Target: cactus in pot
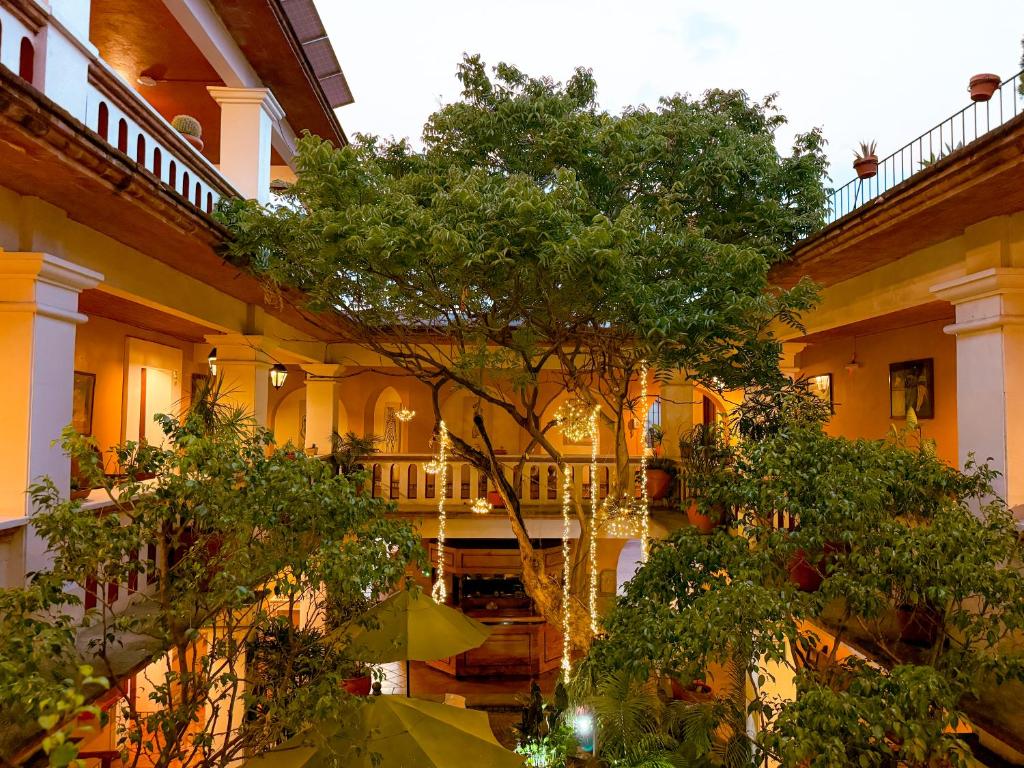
190,128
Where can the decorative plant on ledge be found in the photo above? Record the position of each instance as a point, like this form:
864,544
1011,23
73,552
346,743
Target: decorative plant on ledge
190,128
865,162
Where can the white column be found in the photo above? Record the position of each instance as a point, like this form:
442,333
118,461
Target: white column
38,317
247,119
789,362
989,332
243,367
322,398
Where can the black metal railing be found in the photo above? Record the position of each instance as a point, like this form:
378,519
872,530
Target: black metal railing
953,133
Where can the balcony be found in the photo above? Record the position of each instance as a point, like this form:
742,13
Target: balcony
950,136
401,478
42,51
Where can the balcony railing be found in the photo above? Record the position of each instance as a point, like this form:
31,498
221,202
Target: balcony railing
402,479
952,134
108,105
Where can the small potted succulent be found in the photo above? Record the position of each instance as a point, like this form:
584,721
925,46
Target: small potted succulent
865,162
190,128
982,86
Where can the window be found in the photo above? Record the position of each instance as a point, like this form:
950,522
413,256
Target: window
103,120
140,150
172,174
157,162
27,60
653,423
122,135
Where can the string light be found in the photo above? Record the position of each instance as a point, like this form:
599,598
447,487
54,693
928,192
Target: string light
480,506
566,571
404,415
645,509
592,428
439,591
432,467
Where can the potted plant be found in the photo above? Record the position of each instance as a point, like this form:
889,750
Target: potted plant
703,454
865,162
983,85
661,473
348,452
355,678
190,128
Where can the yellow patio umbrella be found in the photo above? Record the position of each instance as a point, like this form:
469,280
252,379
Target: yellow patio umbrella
400,733
410,626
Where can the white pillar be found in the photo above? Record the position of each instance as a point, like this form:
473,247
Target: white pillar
243,367
38,316
989,332
247,118
789,362
322,397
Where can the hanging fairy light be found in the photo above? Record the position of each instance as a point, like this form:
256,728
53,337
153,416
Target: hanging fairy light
439,591
480,506
645,508
592,430
566,572
404,415
432,467
621,517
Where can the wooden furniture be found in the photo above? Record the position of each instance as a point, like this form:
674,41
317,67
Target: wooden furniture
522,643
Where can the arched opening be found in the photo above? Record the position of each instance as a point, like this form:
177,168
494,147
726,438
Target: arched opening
386,424
289,423
378,475
535,483
394,482
122,135
481,486
209,202
157,162
27,60
184,185
103,120
465,482
172,174
410,487
140,150
629,562
199,195
552,483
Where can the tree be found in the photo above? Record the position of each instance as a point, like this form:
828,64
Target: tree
538,244
202,571
909,561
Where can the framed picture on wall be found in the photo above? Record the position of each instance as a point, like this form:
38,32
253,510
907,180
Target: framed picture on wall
821,385
912,386
82,401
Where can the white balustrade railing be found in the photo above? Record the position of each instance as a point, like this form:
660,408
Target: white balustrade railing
67,71
402,478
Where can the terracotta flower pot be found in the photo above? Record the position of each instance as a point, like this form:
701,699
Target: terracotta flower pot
983,86
357,686
695,691
866,167
658,484
195,141
919,624
495,499
80,493
703,523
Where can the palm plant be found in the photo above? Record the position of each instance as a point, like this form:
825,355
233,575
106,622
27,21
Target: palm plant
349,450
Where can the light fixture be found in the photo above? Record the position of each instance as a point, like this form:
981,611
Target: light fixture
480,506
278,375
583,728
211,360
432,467
147,80
404,415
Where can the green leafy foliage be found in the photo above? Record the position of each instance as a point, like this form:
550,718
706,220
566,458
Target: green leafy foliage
227,562
914,565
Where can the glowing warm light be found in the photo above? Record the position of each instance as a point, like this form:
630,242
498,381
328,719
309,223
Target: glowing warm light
480,506
439,591
566,572
404,415
278,375
432,467
645,508
594,486
583,728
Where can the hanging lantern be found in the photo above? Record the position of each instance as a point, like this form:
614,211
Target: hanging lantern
278,374
480,506
211,360
404,415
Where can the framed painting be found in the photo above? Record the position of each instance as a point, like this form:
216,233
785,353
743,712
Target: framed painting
821,386
912,386
82,402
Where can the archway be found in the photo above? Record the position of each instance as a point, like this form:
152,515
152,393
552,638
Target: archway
629,562
385,424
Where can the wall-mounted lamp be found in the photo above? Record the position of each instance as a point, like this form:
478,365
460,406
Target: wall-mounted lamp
278,375
211,360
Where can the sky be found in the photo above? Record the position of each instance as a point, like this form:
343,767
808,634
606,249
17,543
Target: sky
869,70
